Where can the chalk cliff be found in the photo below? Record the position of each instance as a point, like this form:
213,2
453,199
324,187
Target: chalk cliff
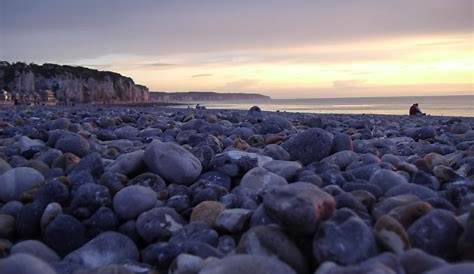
68,83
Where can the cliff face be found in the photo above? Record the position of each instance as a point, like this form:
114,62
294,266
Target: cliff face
197,96
69,83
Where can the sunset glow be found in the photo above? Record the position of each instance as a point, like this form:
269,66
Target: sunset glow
284,49
429,65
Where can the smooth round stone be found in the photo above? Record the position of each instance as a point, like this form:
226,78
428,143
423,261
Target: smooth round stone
384,206
407,214
152,181
342,142
91,163
129,229
286,169
53,191
186,264
58,234
39,166
460,268
18,180
272,241
11,208
126,132
74,144
260,180
276,152
28,220
159,224
217,178
434,159
346,200
7,225
113,181
133,200
299,207
49,156
365,197
424,179
247,264
66,161
172,162
226,244
60,123
459,128
104,219
180,203
24,264
4,166
28,147
195,232
35,248
205,154
466,241
275,124
440,225
391,234
111,269
207,212
128,163
233,220
426,132
310,145
385,263
51,211
91,196
341,158
416,261
201,249
347,242
387,179
108,248
417,190
161,254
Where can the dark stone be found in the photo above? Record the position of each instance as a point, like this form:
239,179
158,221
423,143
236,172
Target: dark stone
310,145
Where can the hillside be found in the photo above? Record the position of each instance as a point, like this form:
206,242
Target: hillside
197,96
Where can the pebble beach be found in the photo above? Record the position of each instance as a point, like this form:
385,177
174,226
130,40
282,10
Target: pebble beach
116,189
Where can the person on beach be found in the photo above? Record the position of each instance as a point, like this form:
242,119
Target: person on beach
415,110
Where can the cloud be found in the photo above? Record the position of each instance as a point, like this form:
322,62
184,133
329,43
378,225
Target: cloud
65,31
202,75
344,84
158,65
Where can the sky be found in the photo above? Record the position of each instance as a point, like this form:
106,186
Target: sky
284,49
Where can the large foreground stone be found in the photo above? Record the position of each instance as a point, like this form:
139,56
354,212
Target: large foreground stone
18,180
347,242
271,241
24,264
436,233
172,162
311,145
299,207
107,248
131,201
247,264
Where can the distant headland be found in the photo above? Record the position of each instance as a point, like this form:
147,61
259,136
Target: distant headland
198,96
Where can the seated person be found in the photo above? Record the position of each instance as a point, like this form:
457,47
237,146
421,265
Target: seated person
415,110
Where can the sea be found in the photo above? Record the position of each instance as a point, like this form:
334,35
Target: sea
459,105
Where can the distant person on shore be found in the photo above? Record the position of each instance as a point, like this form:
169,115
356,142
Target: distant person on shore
415,110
